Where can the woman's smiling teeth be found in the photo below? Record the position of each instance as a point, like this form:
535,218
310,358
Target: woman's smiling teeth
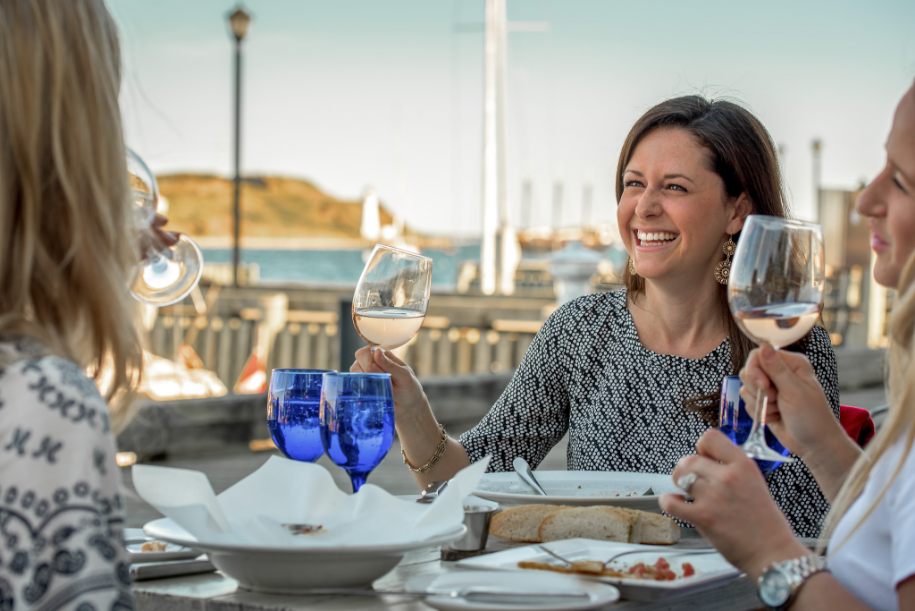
654,238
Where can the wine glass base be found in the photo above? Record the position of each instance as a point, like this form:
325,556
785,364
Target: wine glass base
760,451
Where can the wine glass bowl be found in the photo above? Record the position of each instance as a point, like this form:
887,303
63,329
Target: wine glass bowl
357,421
775,293
392,297
777,279
293,412
166,273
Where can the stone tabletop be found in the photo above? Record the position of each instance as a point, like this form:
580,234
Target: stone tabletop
217,592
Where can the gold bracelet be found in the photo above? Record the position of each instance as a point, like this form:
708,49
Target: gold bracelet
439,452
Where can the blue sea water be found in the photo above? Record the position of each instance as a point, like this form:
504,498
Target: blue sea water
338,266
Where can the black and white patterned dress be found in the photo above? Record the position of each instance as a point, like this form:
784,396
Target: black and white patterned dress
587,373
61,514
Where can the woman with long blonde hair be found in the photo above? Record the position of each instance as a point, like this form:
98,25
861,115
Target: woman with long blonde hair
66,254
870,562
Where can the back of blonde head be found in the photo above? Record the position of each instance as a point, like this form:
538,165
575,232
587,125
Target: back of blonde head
65,236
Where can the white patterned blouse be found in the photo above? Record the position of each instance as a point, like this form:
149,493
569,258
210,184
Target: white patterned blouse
587,373
61,513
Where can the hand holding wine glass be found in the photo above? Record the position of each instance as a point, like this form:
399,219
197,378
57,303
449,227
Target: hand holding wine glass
169,270
357,421
392,297
775,293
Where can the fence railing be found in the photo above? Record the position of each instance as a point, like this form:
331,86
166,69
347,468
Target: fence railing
311,340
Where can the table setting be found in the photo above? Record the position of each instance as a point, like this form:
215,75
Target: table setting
548,540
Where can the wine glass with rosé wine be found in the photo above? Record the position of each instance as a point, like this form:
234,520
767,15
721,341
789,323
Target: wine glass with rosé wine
775,292
392,297
167,273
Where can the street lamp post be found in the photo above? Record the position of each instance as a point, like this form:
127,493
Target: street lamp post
239,20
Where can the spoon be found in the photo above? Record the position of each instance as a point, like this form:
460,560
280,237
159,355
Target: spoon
524,470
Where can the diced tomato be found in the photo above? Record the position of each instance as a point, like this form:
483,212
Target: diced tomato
688,570
640,569
666,575
661,564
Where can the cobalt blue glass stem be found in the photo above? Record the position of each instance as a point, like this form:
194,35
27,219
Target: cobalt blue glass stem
357,421
293,406
735,422
358,480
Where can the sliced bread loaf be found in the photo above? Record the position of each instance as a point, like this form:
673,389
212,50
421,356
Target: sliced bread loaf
657,529
602,523
521,524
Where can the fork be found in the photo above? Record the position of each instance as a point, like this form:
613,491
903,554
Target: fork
674,552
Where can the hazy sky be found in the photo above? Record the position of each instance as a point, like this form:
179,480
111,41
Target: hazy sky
388,93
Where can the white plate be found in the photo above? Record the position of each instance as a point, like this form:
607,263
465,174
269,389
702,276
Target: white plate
599,595
135,555
619,488
712,570
284,570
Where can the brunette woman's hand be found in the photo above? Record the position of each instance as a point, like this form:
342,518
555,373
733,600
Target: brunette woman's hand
732,507
409,398
798,412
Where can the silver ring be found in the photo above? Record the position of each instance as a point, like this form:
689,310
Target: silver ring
685,482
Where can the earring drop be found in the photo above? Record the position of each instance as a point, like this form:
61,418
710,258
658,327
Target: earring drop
723,271
632,271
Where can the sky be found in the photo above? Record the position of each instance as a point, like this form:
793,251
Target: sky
388,93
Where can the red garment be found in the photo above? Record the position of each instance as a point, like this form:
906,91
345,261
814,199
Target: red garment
857,423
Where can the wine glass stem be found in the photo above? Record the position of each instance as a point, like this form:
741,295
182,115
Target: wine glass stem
759,419
358,480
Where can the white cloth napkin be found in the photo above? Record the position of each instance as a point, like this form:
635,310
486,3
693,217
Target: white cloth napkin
253,511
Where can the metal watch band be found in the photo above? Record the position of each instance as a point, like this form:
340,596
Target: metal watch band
796,571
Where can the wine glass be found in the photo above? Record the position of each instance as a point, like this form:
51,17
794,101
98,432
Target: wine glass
166,274
775,292
736,422
293,412
357,421
392,297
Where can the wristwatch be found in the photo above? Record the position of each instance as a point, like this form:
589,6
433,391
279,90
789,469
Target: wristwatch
780,583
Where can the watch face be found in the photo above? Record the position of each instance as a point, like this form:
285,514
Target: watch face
774,590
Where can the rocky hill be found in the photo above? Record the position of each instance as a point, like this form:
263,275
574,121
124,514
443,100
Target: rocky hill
272,207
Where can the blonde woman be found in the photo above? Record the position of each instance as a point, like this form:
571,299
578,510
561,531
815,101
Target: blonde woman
871,555
66,251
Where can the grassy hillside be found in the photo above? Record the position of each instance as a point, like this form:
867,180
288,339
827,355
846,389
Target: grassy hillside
271,206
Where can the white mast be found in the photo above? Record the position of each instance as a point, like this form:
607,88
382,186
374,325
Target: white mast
499,251
493,145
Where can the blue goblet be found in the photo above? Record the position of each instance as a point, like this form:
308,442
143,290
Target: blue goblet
293,406
357,421
735,422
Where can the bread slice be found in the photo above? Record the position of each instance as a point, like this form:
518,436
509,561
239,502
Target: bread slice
658,529
521,524
601,523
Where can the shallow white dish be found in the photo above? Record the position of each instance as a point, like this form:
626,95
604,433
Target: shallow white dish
599,595
283,570
712,570
135,538
135,555
619,488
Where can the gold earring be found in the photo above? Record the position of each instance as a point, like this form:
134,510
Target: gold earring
723,271
632,271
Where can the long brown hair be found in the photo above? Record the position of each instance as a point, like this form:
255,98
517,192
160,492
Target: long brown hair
741,151
66,241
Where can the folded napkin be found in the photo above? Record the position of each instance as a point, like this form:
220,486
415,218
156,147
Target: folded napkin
253,511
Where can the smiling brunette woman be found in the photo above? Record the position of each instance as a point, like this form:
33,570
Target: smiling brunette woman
634,375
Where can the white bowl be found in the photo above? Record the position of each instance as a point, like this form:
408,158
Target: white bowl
281,570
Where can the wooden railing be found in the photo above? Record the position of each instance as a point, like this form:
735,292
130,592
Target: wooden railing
311,340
